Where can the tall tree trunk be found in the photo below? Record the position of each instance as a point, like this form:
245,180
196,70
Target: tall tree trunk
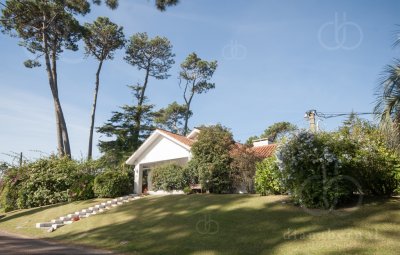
138,117
60,146
187,113
142,95
185,128
63,124
64,130
96,91
63,146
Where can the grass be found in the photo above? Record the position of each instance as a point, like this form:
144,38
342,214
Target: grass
23,221
224,224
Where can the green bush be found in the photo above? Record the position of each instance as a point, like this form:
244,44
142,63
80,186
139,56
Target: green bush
46,181
268,178
312,173
82,188
169,177
243,168
113,183
323,170
187,190
211,159
367,157
9,190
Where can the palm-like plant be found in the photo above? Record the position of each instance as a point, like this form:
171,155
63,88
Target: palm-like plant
388,94
387,107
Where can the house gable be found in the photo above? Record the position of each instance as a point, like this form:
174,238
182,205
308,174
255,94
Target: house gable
160,146
163,149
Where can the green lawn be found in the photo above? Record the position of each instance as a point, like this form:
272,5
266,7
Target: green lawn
224,224
23,221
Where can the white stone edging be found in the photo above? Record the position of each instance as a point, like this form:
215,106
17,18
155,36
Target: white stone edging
79,215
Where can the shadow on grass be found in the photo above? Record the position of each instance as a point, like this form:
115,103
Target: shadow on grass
228,224
369,200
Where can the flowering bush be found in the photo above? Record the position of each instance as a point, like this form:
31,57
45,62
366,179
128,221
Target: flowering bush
322,170
311,172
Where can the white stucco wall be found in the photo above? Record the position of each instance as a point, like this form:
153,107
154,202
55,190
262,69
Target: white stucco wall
162,149
138,176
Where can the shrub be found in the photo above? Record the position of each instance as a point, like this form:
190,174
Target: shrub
211,159
192,175
311,172
113,183
374,170
9,190
47,181
187,190
169,177
325,169
243,167
367,157
82,188
268,178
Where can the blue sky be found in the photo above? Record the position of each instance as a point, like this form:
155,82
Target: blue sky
277,59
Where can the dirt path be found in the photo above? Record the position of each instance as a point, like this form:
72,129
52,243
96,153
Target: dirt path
12,244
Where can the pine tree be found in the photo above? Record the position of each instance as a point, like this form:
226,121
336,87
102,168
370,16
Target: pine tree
102,38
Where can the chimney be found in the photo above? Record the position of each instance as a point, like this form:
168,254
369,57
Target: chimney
261,142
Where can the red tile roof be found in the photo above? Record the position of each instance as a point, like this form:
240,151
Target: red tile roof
265,151
260,151
180,138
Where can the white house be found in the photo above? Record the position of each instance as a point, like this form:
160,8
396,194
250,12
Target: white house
163,147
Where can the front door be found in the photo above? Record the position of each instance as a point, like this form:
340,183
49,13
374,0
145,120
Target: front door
145,180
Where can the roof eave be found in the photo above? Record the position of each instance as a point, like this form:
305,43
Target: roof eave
131,160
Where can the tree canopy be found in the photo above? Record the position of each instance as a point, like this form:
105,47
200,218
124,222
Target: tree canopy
155,57
102,38
121,130
48,27
275,132
195,75
171,118
211,158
